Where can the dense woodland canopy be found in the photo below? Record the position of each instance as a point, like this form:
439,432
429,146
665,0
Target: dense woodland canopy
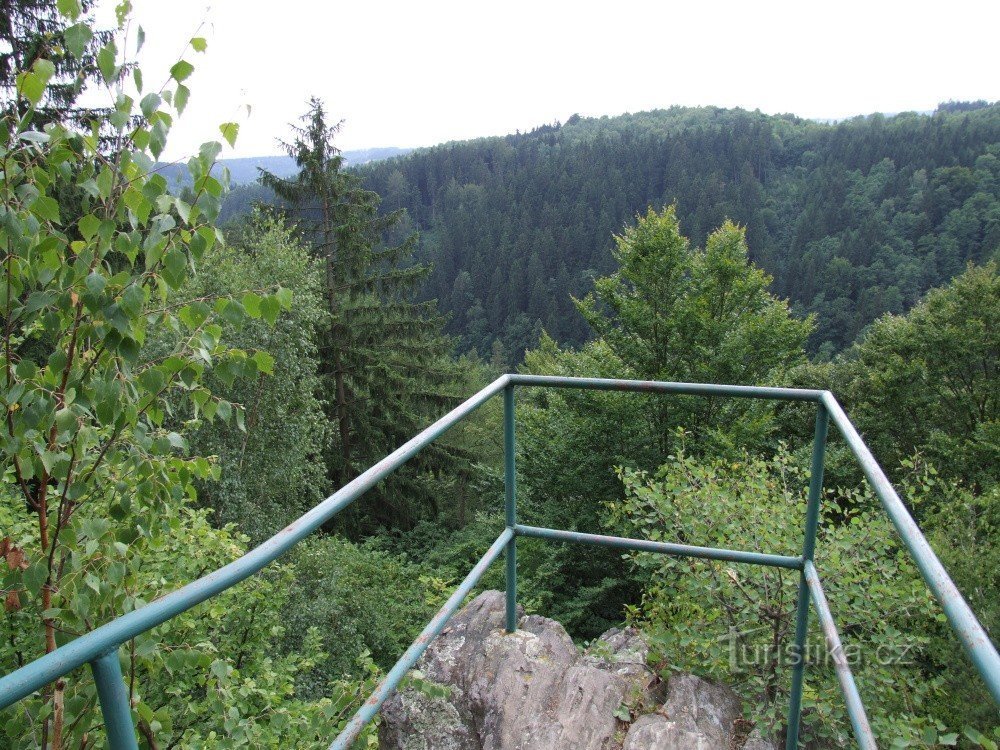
852,220
176,392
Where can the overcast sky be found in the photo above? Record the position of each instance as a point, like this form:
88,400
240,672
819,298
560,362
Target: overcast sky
422,72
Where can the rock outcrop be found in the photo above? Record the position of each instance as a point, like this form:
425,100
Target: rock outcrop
533,690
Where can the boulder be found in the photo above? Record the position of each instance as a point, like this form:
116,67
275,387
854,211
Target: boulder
534,690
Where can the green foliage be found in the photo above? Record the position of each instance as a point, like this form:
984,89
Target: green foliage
963,528
854,219
569,442
737,623
49,53
705,316
670,312
148,406
97,472
271,470
362,600
936,370
208,678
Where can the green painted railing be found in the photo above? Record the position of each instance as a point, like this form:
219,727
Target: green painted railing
99,648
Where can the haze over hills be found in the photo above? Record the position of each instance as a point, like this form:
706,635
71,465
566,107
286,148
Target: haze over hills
244,170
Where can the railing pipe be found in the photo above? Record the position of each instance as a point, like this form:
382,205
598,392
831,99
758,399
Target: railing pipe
656,386
855,708
510,505
371,706
115,706
963,621
808,548
664,548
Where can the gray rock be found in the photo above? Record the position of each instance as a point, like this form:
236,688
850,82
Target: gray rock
758,741
698,715
515,691
412,720
533,690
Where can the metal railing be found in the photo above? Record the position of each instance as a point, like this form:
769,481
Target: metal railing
99,648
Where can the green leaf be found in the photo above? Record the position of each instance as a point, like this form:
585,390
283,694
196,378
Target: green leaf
230,131
157,138
44,69
269,309
199,44
88,226
153,380
264,362
181,97
194,315
284,297
251,303
31,87
34,136
77,37
105,180
26,369
65,419
149,104
69,8
47,208
106,61
181,70
132,300
35,576
95,283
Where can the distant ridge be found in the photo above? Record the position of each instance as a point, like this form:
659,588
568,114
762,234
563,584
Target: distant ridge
244,170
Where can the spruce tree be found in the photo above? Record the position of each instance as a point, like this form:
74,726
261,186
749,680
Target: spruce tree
33,30
385,364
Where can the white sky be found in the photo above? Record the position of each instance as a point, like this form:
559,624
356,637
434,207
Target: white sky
422,72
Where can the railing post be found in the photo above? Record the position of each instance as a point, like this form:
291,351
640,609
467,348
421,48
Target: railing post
510,496
808,548
115,705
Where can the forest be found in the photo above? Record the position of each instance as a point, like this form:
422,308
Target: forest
853,220
187,369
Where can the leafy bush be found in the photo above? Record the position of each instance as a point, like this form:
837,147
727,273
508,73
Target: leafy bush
273,470
736,623
362,600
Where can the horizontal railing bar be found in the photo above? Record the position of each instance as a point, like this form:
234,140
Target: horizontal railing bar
963,621
855,708
654,386
665,548
37,674
371,706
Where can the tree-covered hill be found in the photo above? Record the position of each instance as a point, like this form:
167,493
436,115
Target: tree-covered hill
852,219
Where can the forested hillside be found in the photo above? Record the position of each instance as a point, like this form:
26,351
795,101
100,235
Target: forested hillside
853,220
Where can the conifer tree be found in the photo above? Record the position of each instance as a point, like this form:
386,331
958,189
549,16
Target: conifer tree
32,30
384,360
